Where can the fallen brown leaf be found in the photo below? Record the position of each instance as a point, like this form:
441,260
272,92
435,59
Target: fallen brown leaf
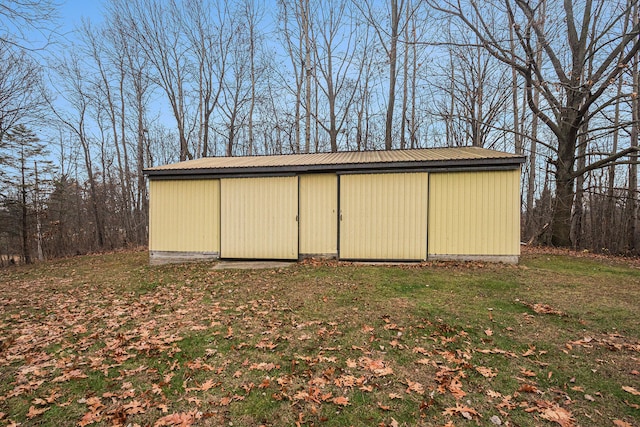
631,390
558,415
463,410
90,418
528,388
182,419
34,412
207,385
415,387
76,373
632,405
494,394
341,400
384,407
486,372
544,309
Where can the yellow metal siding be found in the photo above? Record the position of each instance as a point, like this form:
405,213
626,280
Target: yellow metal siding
184,215
474,213
383,216
319,214
259,218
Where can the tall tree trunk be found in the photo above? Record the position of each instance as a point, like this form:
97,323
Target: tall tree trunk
126,185
308,70
405,83
316,128
478,136
632,197
94,195
452,104
608,227
26,249
142,197
393,60
414,77
36,208
331,96
533,159
578,214
578,208
561,222
359,126
517,136
202,145
252,72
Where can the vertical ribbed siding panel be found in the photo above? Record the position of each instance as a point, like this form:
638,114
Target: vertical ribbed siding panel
384,216
258,218
474,213
184,215
319,214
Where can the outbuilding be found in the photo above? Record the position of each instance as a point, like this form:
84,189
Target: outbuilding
400,205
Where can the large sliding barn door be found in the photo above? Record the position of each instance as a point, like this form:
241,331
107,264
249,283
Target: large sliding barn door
383,216
259,218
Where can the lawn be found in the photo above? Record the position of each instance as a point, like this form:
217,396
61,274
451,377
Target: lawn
108,340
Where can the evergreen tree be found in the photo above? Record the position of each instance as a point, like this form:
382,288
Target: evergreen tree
24,160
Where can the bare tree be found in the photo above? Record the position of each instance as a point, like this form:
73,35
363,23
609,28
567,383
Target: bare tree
72,88
27,24
21,99
19,174
236,90
109,101
304,13
533,140
340,63
294,28
209,30
389,25
569,100
479,91
632,190
362,101
155,26
139,92
252,17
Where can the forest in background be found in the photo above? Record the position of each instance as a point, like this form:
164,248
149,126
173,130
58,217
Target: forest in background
158,81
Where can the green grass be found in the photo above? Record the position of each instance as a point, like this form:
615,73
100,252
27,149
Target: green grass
109,337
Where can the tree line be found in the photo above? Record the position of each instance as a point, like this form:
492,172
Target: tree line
158,81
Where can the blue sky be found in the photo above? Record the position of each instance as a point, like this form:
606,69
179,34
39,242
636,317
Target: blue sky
72,11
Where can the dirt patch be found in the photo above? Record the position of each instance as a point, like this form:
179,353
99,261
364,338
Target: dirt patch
251,265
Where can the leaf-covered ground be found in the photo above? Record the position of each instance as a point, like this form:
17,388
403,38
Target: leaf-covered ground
108,340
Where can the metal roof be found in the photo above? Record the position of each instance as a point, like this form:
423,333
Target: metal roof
424,158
